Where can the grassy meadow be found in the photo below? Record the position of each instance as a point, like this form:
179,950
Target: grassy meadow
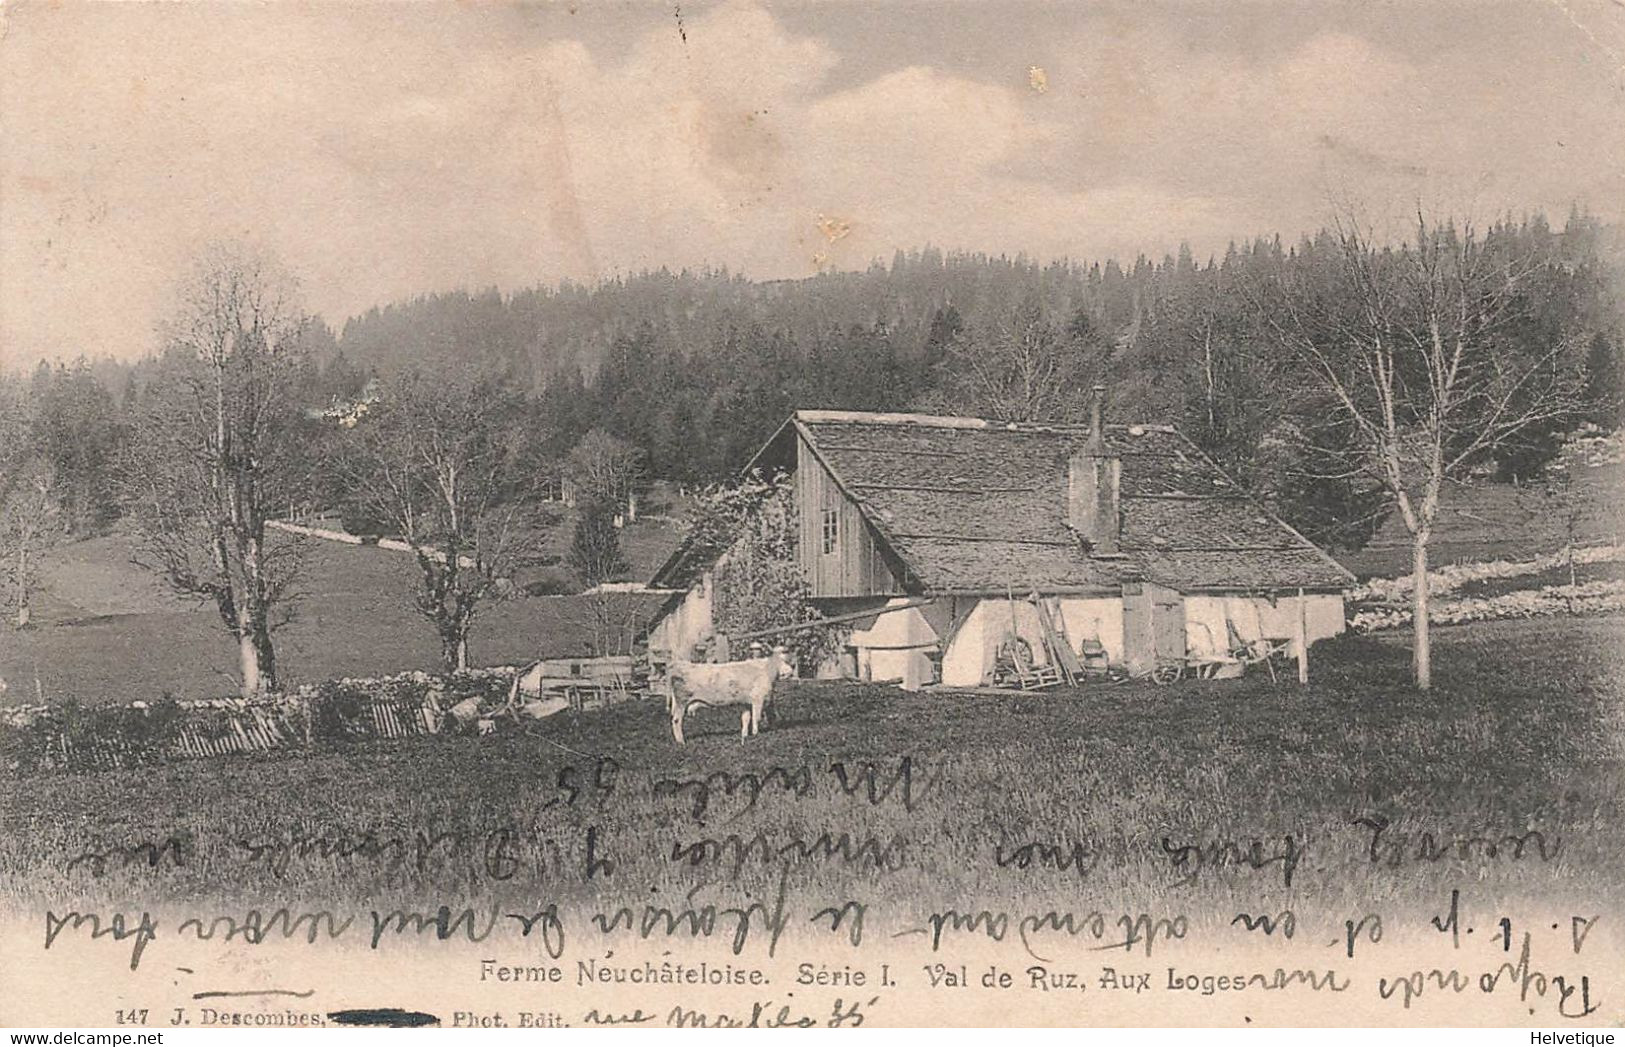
1132,793
1498,521
107,631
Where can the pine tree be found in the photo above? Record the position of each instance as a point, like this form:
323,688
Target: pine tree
595,548
1605,381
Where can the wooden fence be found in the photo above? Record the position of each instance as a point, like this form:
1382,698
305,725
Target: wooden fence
212,729
45,738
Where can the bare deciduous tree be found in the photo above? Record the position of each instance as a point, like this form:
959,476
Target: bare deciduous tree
1020,367
1416,350
29,520
15,419
444,462
609,622
605,470
28,497
216,451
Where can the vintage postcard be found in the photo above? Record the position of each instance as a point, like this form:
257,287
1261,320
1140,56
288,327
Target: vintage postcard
527,515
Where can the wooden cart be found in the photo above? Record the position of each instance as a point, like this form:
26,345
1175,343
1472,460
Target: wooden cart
586,682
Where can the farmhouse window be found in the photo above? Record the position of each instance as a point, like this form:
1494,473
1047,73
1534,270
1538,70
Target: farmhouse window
832,530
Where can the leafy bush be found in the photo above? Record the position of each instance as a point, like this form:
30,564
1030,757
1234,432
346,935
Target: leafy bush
759,583
76,736
550,586
487,686
26,740
150,733
337,711
362,520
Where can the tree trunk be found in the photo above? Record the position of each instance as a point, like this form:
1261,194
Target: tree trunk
1568,601
265,655
1421,651
22,584
1207,368
453,648
253,614
249,659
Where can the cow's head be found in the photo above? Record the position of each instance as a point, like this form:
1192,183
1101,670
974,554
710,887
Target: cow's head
781,660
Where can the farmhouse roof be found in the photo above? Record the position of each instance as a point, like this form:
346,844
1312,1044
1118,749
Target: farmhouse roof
974,505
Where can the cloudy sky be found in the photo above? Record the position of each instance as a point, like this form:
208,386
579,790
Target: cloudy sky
383,150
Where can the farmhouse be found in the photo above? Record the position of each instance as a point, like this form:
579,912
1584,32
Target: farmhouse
942,542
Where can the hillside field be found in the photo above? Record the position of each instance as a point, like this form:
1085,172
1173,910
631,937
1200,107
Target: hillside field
1498,521
105,630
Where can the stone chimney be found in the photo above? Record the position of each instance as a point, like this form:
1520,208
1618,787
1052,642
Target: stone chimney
1092,484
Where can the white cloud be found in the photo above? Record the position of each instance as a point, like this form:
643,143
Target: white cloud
390,151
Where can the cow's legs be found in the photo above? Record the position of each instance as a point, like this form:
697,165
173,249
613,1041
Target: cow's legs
677,703
745,724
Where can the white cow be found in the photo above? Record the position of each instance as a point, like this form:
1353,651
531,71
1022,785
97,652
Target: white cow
748,684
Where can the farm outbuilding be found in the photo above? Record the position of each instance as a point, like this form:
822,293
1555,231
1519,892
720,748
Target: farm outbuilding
939,542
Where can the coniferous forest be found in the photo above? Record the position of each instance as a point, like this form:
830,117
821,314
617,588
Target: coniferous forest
696,369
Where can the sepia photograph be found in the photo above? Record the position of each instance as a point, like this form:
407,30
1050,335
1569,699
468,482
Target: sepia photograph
792,514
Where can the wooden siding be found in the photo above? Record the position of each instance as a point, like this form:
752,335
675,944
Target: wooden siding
855,566
1153,626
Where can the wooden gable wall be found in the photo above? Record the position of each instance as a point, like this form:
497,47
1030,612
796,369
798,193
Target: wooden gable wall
855,565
